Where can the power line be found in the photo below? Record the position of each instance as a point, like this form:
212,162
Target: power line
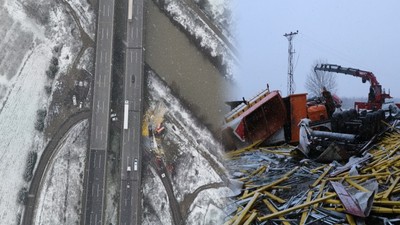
290,81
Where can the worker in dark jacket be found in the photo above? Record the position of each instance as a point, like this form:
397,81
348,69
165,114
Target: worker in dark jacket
329,104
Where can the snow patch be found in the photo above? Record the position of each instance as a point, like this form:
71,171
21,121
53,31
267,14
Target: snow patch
195,145
154,192
86,61
60,197
206,209
86,15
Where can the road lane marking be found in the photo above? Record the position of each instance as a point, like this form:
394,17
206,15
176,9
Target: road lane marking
131,56
108,11
97,194
107,33
92,190
102,33
101,56
94,160
137,33
101,133
105,77
103,107
96,132
105,58
104,10
90,220
100,162
95,218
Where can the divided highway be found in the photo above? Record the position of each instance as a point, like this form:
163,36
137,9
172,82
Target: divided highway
95,176
131,155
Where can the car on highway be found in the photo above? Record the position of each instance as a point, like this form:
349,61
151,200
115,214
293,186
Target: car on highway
129,169
133,78
135,165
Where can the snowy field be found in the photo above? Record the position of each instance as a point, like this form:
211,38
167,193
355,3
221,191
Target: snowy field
30,31
157,198
60,197
198,156
207,207
202,33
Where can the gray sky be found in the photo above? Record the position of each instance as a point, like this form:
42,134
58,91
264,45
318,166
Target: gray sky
362,34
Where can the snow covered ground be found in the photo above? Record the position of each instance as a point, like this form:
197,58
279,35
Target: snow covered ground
30,32
192,168
60,197
220,12
202,33
207,207
86,15
86,61
157,198
196,157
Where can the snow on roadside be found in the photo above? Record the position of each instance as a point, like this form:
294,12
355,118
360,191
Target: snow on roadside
194,144
86,61
61,194
86,15
25,91
220,12
156,196
207,207
201,32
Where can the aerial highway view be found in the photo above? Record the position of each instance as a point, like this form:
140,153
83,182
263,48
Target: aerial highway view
98,125
175,112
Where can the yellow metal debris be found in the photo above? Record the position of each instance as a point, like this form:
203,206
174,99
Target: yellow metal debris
383,167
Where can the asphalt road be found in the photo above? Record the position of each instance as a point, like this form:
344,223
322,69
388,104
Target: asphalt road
95,180
130,192
45,159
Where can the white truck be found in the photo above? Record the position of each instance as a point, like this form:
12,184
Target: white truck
130,6
126,113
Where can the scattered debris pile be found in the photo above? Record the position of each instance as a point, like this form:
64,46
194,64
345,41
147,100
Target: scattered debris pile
276,189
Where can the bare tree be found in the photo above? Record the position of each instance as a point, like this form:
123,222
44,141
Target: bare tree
316,80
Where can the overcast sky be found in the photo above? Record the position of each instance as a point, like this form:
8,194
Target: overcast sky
361,34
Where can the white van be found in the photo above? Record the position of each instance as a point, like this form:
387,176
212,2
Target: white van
135,165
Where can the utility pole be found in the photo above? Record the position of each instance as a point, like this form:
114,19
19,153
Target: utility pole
290,81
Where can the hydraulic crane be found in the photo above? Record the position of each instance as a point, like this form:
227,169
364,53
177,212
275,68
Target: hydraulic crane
376,96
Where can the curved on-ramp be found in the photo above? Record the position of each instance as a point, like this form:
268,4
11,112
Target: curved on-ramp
45,159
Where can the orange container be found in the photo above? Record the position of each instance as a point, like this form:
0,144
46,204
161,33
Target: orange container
298,111
317,113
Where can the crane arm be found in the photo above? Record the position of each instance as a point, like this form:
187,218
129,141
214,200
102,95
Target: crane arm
365,75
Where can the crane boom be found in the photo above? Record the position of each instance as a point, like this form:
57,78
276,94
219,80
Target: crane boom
365,75
375,97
